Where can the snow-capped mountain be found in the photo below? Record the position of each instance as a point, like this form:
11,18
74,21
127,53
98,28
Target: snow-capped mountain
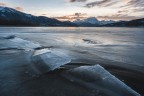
12,14
103,22
6,9
12,17
92,21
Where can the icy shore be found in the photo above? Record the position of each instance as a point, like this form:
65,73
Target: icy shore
22,61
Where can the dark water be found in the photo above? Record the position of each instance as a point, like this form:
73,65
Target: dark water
119,50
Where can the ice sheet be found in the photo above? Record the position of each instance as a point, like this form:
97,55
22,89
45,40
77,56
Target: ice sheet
99,80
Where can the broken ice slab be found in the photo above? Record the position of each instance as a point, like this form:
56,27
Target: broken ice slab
45,60
99,81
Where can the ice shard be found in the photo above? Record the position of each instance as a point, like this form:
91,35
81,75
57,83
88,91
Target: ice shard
99,81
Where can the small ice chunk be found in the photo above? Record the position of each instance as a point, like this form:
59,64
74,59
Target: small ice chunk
98,79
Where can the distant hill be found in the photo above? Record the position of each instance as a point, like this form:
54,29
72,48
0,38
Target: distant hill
132,23
12,17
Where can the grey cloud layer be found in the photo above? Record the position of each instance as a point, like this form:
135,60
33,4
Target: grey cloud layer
77,0
72,17
136,5
106,3
129,7
97,3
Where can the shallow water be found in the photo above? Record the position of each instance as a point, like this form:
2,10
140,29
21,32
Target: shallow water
119,50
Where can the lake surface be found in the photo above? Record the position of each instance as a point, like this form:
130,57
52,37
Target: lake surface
119,50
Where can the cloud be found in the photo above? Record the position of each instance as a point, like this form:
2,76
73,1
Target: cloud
77,0
19,8
97,3
90,3
121,9
138,10
44,14
108,3
136,3
72,17
80,14
117,17
3,4
135,6
124,11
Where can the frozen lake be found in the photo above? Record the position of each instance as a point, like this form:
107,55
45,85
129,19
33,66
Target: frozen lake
119,50
118,44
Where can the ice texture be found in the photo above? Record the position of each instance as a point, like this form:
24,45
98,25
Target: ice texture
100,81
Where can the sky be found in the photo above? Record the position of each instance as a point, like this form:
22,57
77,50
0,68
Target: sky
80,9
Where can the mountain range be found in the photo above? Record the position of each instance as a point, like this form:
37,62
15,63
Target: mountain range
12,17
132,23
92,22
